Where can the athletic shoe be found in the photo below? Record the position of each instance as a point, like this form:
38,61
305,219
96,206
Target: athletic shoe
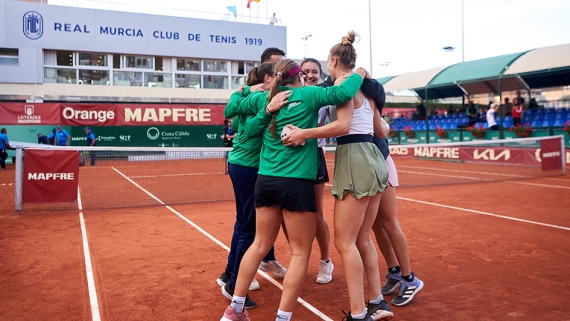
225,278
254,286
273,267
380,311
392,283
349,317
231,315
407,291
228,292
325,272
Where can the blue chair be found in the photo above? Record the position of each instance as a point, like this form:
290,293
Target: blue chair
532,111
558,123
547,123
432,126
560,116
446,126
453,126
486,125
550,111
535,123
539,111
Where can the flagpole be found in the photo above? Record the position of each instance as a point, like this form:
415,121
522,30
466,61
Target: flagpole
267,12
370,32
258,12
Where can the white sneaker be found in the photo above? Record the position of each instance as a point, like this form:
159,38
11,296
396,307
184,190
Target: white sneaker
254,286
273,267
325,272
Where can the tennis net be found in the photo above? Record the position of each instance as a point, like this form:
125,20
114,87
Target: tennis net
140,177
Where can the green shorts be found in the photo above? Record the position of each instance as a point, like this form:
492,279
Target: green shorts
359,169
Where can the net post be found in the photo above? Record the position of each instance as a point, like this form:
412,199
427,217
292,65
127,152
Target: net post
19,174
563,149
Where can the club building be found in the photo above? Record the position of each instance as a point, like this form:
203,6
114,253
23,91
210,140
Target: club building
122,73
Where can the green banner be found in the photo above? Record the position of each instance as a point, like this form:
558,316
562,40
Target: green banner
151,136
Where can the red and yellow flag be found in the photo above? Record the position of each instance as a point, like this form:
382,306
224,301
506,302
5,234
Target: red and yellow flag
249,2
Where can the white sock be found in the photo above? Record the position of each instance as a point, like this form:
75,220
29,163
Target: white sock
282,315
238,303
378,299
360,316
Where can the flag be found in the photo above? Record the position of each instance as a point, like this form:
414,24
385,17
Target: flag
249,2
233,10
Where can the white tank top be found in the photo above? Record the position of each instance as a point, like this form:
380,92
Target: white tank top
362,120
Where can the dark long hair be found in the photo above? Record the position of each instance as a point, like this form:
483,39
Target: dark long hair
256,75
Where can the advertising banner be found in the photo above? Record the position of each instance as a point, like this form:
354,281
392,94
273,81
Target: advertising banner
551,154
88,114
111,114
151,136
50,176
29,114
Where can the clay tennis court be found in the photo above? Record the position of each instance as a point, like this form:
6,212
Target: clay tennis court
486,250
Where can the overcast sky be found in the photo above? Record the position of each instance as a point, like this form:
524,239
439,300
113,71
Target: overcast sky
410,34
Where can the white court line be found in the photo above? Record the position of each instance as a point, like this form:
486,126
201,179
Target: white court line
88,267
170,175
211,237
485,213
463,171
541,185
481,213
443,175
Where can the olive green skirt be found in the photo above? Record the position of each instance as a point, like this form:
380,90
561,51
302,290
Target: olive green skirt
359,169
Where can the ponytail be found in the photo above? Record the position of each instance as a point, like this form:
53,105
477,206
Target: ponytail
251,78
284,73
272,92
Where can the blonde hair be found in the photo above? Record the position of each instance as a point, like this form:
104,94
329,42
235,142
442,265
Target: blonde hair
345,51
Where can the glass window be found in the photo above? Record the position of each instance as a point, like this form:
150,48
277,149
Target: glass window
64,58
127,78
238,81
138,62
117,61
158,63
215,82
187,81
59,76
188,64
249,66
8,60
238,68
93,77
215,65
157,80
91,59
8,56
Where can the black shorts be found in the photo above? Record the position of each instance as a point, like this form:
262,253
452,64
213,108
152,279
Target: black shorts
322,172
292,194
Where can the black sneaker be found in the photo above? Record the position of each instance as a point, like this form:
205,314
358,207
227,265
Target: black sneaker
228,292
380,311
349,317
223,279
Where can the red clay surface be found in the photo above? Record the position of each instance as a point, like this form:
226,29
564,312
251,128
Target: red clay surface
149,264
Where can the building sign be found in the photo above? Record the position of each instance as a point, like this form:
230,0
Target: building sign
49,181
111,114
89,30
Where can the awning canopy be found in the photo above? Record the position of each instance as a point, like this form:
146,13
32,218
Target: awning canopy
412,79
384,80
538,68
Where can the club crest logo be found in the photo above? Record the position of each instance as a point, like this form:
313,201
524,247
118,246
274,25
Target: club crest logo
33,25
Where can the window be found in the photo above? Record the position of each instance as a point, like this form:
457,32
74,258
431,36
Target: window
188,64
127,78
60,76
116,61
92,59
187,81
215,65
157,79
93,77
139,62
249,66
64,58
215,82
238,81
8,56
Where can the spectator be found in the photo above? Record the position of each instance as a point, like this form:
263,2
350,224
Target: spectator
491,117
432,112
521,100
62,137
471,113
274,20
508,111
421,111
482,115
43,139
228,134
450,110
4,145
532,104
389,119
517,112
91,141
51,137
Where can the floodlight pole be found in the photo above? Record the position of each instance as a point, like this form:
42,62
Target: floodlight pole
370,32
305,39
